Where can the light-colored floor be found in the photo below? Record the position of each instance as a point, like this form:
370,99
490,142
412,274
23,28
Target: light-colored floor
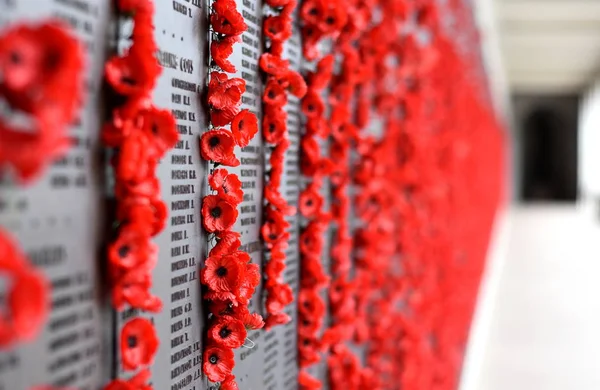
540,327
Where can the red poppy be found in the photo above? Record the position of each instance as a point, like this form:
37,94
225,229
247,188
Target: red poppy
133,288
139,343
148,215
275,319
274,197
229,383
218,363
251,320
274,94
225,18
308,351
134,161
274,268
227,242
132,74
322,76
311,240
294,82
138,382
312,273
274,127
160,127
28,302
217,214
277,28
310,201
307,381
280,295
228,186
274,226
220,50
312,104
227,332
218,145
276,48
273,65
224,92
222,273
244,127
312,11
133,249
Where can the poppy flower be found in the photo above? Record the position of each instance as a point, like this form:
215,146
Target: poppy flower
28,303
274,269
311,241
250,320
217,214
244,127
275,319
312,11
273,65
220,50
134,161
310,201
274,225
227,332
308,351
277,28
139,343
227,242
312,272
274,197
132,74
294,83
274,127
310,39
160,128
274,94
280,295
312,104
229,383
133,249
307,381
222,273
218,145
276,48
228,186
224,92
226,19
138,382
322,76
133,288
218,363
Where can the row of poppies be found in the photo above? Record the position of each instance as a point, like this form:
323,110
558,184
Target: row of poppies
280,80
42,70
229,277
141,134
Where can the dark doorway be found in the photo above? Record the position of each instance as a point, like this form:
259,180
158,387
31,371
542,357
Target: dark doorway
549,156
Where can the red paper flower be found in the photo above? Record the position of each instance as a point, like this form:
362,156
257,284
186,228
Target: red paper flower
218,145
312,104
217,214
308,382
228,186
224,92
134,74
277,28
218,363
310,201
160,127
294,82
227,243
222,273
273,65
244,127
227,332
139,343
28,303
229,384
274,126
275,319
133,288
220,50
225,18
133,249
274,94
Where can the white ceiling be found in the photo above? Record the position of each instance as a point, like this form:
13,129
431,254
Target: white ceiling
549,45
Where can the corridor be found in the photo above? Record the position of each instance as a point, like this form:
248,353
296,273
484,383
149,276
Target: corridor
537,325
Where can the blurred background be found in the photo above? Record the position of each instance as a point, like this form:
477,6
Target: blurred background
537,324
